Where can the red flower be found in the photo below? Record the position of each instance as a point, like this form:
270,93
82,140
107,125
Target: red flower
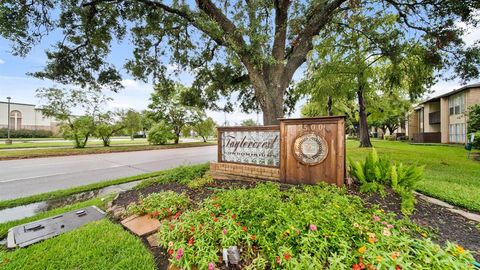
192,229
155,214
191,241
215,219
170,252
177,215
398,267
286,256
253,237
277,259
356,267
234,216
244,229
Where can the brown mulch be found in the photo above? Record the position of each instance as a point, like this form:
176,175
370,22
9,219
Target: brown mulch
447,226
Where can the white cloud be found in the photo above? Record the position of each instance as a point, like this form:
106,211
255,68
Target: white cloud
442,87
2,61
472,34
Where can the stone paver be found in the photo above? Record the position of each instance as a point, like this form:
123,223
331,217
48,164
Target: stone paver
152,240
141,225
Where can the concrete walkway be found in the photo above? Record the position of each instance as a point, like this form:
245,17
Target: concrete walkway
20,178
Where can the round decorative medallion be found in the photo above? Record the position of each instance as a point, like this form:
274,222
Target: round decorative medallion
310,149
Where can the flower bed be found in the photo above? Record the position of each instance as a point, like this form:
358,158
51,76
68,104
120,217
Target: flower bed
160,205
312,227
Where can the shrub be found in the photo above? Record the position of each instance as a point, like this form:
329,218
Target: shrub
160,133
374,173
200,181
25,133
181,174
160,205
476,141
313,227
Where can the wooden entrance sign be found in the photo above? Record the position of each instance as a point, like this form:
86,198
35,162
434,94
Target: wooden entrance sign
298,151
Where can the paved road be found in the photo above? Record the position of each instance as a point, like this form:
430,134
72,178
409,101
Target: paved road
20,178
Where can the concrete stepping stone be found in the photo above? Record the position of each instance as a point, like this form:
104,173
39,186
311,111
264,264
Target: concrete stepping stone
141,225
152,240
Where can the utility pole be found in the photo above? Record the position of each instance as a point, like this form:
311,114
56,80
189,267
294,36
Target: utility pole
8,141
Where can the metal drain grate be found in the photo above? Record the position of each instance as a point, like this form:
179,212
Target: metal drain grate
30,233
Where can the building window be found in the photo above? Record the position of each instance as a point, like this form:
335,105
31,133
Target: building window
456,104
457,133
15,120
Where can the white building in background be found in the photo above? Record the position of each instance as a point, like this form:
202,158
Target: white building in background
26,116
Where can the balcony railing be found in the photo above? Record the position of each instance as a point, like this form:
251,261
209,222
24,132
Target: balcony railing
434,118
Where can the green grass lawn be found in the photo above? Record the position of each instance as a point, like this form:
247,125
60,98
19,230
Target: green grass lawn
449,175
96,245
28,144
97,149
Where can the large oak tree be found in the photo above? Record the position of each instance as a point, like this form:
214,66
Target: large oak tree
252,47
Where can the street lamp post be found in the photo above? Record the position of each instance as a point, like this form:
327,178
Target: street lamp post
8,141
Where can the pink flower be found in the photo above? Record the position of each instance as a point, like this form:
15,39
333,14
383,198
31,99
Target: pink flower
376,218
225,231
211,266
179,253
313,228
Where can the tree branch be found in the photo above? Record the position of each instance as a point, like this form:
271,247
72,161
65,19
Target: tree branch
320,17
281,13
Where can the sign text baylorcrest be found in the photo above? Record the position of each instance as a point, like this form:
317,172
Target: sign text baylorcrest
259,147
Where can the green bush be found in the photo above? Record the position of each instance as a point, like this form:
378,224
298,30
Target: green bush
374,173
200,181
25,133
181,174
313,227
160,205
476,141
160,133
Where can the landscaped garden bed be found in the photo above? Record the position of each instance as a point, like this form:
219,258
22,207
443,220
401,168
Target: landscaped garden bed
300,227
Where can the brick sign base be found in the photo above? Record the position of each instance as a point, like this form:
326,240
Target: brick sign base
298,151
228,171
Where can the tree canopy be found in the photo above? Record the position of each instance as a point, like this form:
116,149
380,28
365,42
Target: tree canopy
249,47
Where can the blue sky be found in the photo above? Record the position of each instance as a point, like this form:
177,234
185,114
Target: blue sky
15,83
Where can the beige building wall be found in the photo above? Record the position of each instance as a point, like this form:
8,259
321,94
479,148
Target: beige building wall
430,108
413,124
473,97
31,118
444,119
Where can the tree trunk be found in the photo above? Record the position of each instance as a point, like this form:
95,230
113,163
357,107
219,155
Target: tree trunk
273,107
329,106
177,138
384,130
363,135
